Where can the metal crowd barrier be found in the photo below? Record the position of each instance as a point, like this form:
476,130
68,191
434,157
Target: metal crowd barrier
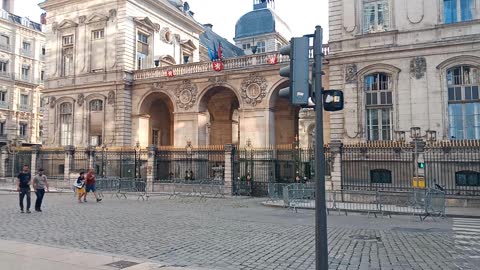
121,187
190,188
275,191
419,202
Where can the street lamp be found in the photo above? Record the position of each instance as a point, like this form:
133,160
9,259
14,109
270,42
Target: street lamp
13,149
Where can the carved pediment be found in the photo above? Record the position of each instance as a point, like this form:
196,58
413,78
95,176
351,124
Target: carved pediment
146,22
167,59
188,44
65,24
95,17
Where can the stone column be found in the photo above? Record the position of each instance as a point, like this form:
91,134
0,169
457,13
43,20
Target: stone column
3,160
336,172
69,152
35,152
229,169
152,153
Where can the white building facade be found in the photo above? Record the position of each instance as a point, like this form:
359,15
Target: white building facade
22,71
404,64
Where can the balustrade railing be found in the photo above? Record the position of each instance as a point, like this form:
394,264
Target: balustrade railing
228,64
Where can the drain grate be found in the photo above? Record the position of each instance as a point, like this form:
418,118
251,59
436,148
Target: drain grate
121,264
363,237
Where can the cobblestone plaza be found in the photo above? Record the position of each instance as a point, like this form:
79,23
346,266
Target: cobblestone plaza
239,234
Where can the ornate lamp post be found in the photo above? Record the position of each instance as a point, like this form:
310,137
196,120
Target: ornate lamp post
137,160
13,149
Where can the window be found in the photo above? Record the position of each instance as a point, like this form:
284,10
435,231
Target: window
67,61
155,138
5,42
463,84
98,34
142,50
2,128
246,46
26,46
43,51
458,10
467,179
66,123
40,132
96,105
261,47
68,40
23,130
376,16
379,106
42,75
95,140
143,38
380,176
3,96
24,99
25,73
3,66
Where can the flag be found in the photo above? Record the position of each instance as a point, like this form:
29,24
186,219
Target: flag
215,52
170,73
211,54
217,65
220,51
272,60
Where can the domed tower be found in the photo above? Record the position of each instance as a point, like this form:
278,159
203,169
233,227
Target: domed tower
261,30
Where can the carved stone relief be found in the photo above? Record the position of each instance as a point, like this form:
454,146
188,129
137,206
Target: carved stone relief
351,73
418,67
218,80
80,99
112,13
82,19
111,97
415,11
52,102
254,89
186,95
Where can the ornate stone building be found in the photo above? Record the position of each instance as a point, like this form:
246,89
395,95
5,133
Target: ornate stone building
22,52
405,64
114,79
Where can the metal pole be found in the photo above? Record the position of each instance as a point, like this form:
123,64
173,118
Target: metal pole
321,245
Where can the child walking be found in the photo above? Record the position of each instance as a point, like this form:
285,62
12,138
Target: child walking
80,185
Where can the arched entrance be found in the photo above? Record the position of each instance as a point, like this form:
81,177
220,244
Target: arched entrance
219,117
156,116
284,117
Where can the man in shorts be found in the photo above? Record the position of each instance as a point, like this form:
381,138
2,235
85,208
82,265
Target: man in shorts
90,185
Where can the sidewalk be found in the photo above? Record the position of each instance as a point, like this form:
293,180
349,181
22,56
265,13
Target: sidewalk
21,256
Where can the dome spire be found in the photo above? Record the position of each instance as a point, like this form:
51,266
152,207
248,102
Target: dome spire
259,4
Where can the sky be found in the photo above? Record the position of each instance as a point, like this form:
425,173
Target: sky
301,16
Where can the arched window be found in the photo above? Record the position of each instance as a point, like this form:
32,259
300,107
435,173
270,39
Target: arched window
66,123
96,105
463,102
378,106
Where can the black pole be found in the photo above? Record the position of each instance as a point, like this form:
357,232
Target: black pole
321,245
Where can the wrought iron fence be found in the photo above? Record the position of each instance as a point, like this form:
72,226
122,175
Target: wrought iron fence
255,169
15,161
81,160
121,163
52,161
189,164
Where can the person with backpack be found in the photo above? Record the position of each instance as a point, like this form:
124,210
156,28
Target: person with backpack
39,185
23,187
80,187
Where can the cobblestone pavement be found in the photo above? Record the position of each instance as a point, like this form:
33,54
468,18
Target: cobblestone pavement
231,234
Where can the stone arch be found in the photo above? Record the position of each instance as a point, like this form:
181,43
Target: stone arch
147,94
155,114
283,118
459,60
218,111
205,90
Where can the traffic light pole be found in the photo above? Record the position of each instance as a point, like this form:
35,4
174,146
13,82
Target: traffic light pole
321,245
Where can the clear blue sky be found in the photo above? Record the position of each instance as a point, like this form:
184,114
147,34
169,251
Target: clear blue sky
301,16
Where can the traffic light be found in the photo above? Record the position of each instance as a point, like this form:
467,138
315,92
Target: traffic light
421,165
298,71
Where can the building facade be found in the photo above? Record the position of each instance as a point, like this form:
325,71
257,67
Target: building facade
130,72
22,71
405,64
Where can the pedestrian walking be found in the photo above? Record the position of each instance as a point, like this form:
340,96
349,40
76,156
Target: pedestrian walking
23,187
90,185
40,183
80,187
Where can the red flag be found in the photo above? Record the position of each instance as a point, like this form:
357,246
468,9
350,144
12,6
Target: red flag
170,73
272,60
217,65
220,51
